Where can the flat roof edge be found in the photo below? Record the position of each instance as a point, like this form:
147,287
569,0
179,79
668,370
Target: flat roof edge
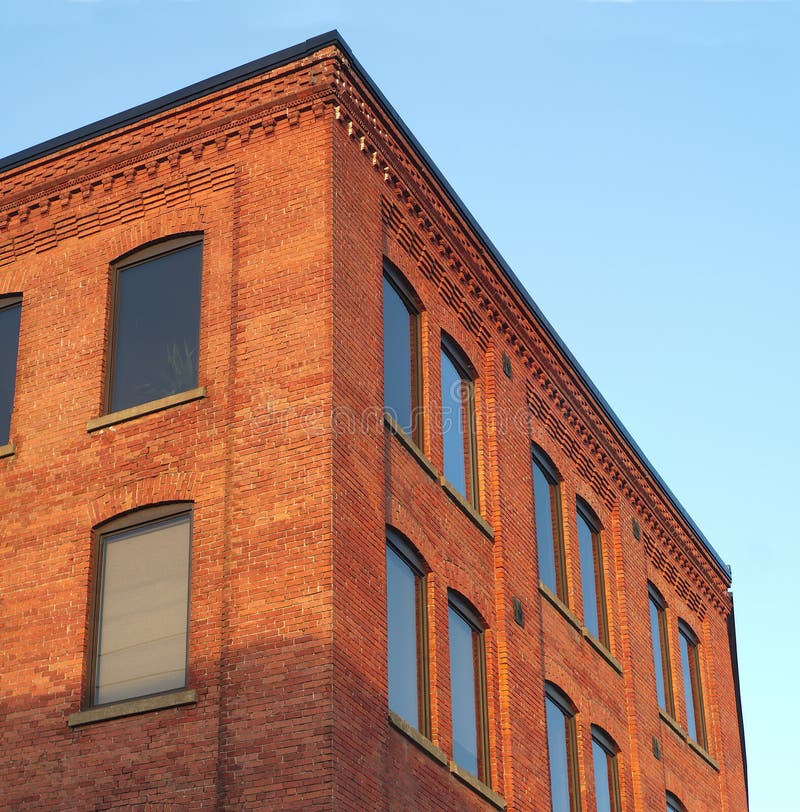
263,65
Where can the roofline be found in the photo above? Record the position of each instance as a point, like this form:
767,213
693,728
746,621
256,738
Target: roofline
304,49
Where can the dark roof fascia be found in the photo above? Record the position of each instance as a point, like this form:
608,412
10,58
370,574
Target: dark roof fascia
171,100
305,49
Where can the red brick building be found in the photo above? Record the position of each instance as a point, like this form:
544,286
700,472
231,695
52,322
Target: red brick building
305,506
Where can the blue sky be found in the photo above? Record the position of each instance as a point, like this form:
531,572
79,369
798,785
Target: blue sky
637,164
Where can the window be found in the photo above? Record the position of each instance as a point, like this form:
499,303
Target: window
458,424
156,323
562,751
549,537
595,617
407,633
468,689
660,641
10,312
673,804
606,772
402,381
142,604
692,685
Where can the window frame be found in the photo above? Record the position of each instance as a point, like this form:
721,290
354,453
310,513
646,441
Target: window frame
566,706
413,305
8,301
693,689
585,512
656,599
612,751
674,803
540,459
469,430
144,253
403,548
464,609
128,521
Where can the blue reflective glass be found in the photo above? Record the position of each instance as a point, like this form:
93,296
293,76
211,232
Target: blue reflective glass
463,692
688,693
403,632
398,335
658,653
545,537
591,598
454,426
603,777
558,754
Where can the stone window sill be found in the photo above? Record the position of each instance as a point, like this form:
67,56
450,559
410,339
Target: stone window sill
130,707
672,724
145,408
560,606
474,783
7,450
410,445
703,753
602,651
467,508
422,741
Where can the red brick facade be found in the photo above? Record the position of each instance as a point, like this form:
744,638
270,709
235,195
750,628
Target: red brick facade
302,183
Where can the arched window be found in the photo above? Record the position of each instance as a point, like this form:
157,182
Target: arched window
459,439
674,804
402,368
660,643
549,532
155,323
692,685
590,544
562,751
468,693
605,755
406,620
141,617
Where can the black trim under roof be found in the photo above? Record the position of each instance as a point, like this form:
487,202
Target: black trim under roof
304,49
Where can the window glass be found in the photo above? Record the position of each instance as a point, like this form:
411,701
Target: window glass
403,615
400,358
458,429
673,804
591,556
692,689
157,328
10,313
561,750
606,776
658,636
547,505
467,694
143,610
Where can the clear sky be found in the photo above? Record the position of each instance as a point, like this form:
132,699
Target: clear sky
637,162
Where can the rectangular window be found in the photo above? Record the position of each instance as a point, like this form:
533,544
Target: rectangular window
606,772
562,752
141,622
10,314
660,642
595,616
156,324
406,626
549,537
468,691
402,381
458,427
692,685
